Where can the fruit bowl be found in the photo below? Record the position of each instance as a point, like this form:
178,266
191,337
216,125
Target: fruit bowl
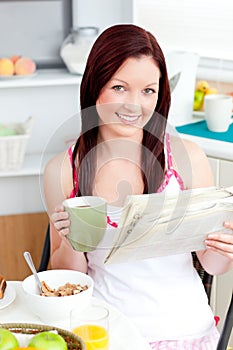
73,341
55,310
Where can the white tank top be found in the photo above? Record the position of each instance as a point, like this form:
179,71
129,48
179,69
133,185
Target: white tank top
163,296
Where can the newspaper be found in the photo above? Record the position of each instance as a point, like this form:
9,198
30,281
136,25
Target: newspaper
161,224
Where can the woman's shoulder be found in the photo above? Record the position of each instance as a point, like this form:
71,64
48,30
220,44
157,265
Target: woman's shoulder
58,161
192,162
182,146
58,169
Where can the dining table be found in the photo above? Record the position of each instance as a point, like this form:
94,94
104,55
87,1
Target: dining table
123,334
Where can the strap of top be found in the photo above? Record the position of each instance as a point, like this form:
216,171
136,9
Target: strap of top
169,154
75,175
170,169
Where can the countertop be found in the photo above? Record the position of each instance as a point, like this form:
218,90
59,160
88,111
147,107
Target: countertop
212,147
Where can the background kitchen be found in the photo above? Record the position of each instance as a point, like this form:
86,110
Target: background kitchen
197,39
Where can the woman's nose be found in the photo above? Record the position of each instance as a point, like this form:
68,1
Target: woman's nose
132,103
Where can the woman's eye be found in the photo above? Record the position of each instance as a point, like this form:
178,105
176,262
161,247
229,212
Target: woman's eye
149,91
118,88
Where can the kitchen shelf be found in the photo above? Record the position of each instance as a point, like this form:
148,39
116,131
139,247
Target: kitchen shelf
33,165
42,77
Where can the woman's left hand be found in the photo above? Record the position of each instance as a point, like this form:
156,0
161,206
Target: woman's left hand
221,243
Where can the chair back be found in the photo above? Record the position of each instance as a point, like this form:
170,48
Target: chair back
206,278
45,252
227,328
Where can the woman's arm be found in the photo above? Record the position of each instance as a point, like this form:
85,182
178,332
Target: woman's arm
217,258
57,187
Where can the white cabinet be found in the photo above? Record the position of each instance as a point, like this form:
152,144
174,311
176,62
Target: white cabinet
226,173
214,163
52,99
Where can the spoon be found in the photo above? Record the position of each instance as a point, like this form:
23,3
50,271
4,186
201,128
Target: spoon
30,263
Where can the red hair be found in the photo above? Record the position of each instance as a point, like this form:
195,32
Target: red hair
111,49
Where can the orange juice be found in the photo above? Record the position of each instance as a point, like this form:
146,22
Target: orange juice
95,337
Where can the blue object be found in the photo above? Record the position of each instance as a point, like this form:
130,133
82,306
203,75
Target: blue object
200,129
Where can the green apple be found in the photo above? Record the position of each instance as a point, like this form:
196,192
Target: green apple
6,131
198,100
48,341
7,340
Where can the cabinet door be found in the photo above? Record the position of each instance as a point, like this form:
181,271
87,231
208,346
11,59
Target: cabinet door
214,163
21,233
226,173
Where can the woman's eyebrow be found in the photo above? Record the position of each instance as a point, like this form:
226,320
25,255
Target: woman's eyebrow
125,82
155,83
119,80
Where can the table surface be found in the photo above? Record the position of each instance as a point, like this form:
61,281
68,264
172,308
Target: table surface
216,148
123,334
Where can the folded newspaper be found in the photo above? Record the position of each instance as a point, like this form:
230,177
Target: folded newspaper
161,224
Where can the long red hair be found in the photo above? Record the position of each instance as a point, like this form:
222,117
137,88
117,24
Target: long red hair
110,50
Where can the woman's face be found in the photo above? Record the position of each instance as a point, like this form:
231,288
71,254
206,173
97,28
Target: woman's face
127,101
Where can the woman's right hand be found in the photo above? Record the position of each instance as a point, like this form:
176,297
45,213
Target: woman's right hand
60,220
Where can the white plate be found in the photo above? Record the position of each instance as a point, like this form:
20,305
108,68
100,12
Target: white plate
8,298
18,76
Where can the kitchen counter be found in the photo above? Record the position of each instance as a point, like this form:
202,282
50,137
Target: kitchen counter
217,146
212,148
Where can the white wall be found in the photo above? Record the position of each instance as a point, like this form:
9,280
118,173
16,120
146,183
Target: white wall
101,13
37,28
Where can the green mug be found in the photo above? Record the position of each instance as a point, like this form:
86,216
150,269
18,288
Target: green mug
88,221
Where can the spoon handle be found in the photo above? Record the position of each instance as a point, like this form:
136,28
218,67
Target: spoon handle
30,263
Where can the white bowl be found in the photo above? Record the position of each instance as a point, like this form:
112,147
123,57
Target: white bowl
56,310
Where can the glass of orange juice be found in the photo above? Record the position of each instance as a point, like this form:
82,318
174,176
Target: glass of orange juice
92,325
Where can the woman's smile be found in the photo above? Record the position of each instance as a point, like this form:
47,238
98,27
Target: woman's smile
128,119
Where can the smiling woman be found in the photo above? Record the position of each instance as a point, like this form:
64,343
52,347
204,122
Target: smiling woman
123,149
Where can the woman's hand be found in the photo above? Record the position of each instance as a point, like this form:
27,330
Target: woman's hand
217,258
222,243
63,255
60,220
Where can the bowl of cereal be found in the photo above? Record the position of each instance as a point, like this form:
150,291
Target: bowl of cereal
62,290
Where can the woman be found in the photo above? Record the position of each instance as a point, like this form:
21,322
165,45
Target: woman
125,100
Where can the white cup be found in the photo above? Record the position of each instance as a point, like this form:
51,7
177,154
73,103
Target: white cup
218,112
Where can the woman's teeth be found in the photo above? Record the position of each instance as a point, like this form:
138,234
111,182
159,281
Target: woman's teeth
128,118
